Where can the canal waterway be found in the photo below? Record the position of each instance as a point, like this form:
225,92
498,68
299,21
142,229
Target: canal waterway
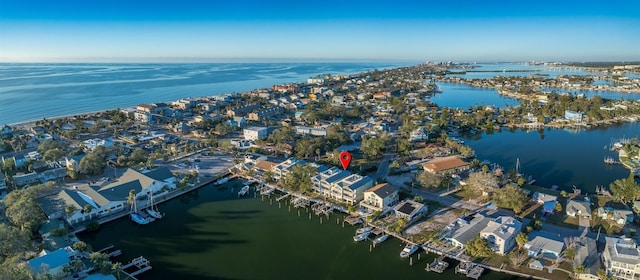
490,70
562,157
212,234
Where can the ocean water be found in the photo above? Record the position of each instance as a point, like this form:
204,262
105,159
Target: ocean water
36,91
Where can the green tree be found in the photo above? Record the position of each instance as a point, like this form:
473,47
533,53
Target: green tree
53,154
12,241
92,164
625,190
81,246
510,197
570,253
429,180
23,210
482,181
418,198
87,208
12,269
138,156
373,146
47,145
299,178
604,275
521,239
478,248
558,207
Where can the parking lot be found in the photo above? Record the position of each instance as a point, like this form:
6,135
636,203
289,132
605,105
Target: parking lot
205,165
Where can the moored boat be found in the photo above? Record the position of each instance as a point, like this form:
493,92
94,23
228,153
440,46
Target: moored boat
408,250
363,230
139,219
362,236
243,191
381,238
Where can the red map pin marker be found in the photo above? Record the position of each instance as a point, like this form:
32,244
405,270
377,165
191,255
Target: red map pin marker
345,158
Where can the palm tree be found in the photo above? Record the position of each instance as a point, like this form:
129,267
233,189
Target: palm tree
132,199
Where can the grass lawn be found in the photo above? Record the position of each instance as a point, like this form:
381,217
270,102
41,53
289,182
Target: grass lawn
561,219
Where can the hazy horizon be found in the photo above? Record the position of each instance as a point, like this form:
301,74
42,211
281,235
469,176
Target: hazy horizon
188,30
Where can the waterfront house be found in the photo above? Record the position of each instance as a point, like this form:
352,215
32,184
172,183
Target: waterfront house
548,201
350,189
466,229
578,209
536,265
621,258
52,262
450,164
501,233
409,209
264,165
282,169
619,216
588,256
573,116
323,180
380,197
70,204
255,133
544,245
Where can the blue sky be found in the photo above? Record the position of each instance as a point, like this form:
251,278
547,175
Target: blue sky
190,30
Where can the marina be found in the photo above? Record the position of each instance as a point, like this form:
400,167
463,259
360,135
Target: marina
224,228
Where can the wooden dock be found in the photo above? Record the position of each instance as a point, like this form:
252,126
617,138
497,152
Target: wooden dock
470,269
137,266
438,265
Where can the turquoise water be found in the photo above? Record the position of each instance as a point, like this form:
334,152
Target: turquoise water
211,234
35,91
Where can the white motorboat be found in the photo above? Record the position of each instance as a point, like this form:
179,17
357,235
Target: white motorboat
243,191
381,238
408,250
362,236
363,230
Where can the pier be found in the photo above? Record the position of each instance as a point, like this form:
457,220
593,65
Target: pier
111,251
610,160
470,269
438,265
136,266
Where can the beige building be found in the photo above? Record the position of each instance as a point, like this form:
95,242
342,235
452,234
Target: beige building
380,197
621,258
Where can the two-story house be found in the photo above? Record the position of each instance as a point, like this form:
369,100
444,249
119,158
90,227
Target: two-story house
380,197
501,233
621,258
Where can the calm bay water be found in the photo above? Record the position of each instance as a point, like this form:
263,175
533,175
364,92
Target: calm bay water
211,234
36,91
557,157
490,70
464,96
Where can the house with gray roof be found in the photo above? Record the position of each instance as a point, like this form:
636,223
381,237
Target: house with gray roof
501,233
621,258
323,180
466,229
577,208
619,216
587,255
107,199
380,197
544,245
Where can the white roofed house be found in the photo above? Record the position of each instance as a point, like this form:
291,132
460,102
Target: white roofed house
501,233
621,258
380,197
323,180
281,169
351,189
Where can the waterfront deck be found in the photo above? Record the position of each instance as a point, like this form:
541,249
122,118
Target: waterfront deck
438,265
136,267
